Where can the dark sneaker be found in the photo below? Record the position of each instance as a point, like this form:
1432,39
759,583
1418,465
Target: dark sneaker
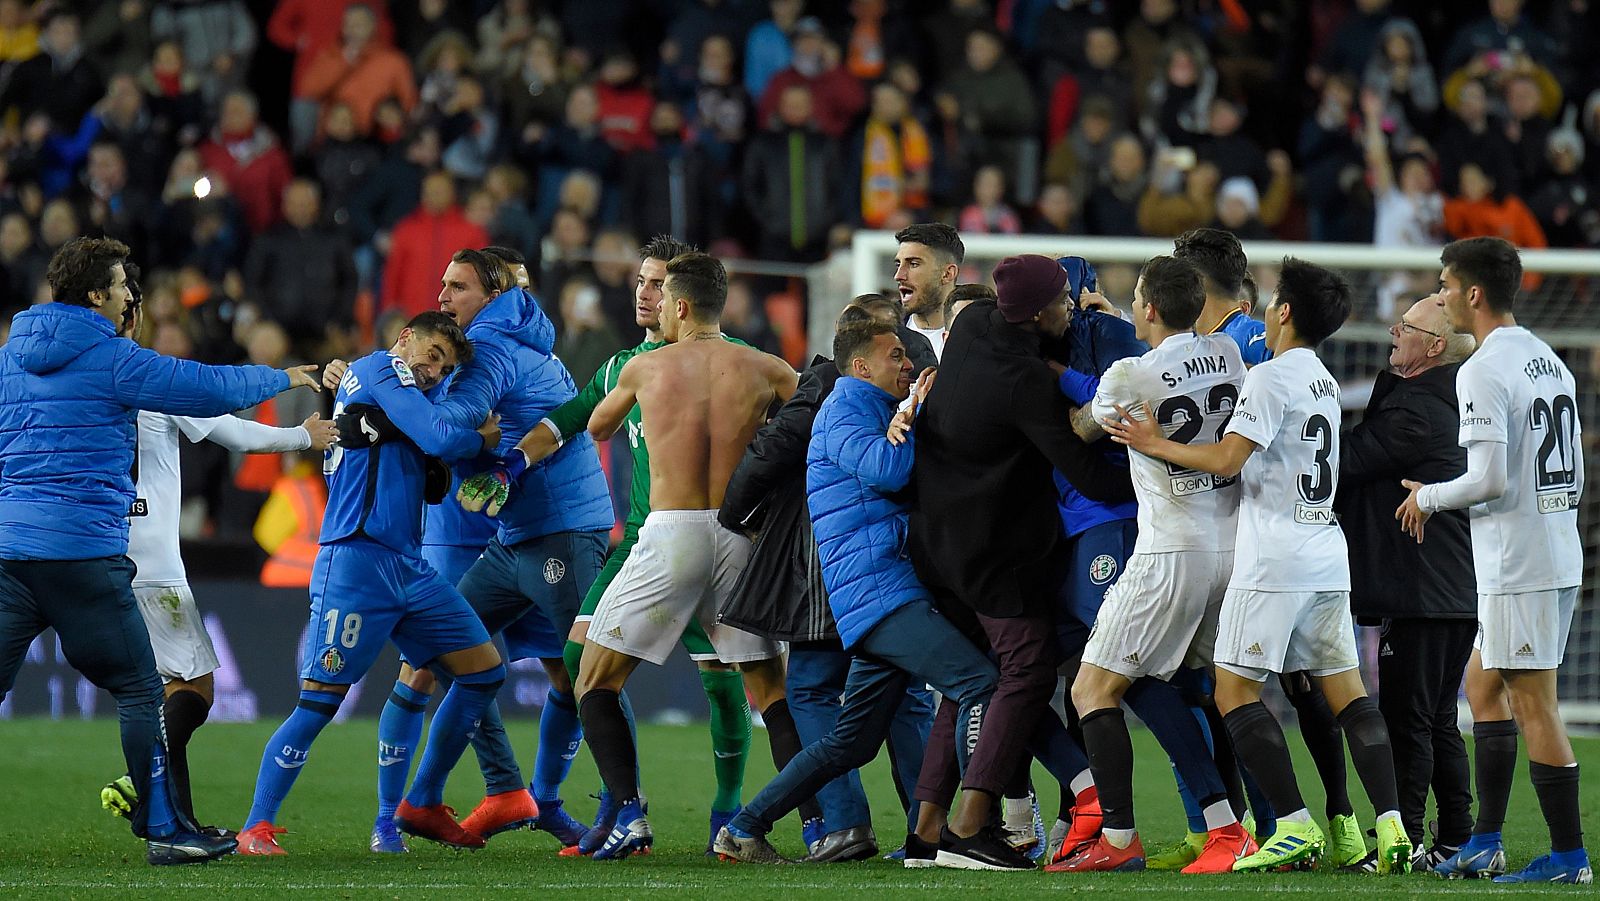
985,850
187,847
918,853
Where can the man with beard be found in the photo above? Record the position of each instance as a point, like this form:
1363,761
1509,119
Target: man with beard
925,269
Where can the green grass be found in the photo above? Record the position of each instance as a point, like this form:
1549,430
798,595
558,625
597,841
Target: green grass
55,841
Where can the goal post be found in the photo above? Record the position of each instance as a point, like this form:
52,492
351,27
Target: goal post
1560,301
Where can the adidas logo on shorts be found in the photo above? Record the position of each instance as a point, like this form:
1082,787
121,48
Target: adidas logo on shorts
616,632
1525,651
1132,658
1255,650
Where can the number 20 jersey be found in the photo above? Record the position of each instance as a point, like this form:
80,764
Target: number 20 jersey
1288,538
1516,391
1192,383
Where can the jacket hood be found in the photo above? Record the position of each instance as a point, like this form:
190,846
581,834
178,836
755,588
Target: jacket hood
1413,36
49,336
518,316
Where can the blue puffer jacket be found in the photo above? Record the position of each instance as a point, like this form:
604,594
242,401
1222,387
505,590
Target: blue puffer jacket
861,533
70,393
1093,342
515,373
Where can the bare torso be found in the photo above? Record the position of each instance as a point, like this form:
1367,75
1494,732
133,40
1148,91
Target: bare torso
701,401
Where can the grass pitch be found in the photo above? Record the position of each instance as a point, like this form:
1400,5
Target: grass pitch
56,842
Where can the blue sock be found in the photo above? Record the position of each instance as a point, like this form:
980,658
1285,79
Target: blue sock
286,752
1266,819
1483,840
1161,706
452,728
161,821
1573,859
399,733
1052,745
560,733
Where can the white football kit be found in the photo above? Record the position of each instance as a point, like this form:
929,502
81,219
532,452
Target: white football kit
1526,549
183,649
1162,613
1288,604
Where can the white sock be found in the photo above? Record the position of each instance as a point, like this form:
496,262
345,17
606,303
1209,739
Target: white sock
1300,816
1390,815
1219,815
1080,782
1018,813
1119,838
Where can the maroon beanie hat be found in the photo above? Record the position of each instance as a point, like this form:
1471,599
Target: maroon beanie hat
1027,284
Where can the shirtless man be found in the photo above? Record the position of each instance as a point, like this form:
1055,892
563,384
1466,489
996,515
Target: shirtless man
702,399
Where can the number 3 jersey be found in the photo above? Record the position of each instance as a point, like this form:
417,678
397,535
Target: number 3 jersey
1514,390
1192,383
1288,538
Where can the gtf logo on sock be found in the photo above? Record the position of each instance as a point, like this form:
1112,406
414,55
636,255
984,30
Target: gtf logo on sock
289,758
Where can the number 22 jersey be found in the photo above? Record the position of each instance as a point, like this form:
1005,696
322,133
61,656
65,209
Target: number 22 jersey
1288,537
1517,392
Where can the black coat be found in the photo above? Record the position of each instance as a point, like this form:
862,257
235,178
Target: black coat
918,348
984,527
780,594
1409,432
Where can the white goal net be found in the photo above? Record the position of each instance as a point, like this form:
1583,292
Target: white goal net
1561,301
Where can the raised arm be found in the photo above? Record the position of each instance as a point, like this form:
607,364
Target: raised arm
249,437
145,380
418,420
865,452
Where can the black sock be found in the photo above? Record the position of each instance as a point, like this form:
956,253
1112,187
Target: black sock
1557,788
1222,753
1369,748
1494,764
611,743
1259,741
184,711
785,741
1021,781
1105,732
1323,739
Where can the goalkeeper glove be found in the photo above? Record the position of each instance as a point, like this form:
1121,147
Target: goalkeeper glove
488,491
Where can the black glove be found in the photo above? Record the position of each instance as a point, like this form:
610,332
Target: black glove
363,425
436,480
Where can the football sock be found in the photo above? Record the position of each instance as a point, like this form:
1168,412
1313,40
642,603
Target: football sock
730,734
611,742
1557,788
1264,752
452,728
785,741
560,733
161,817
285,754
1363,725
1321,732
1111,760
184,712
1494,764
492,746
399,733
1162,708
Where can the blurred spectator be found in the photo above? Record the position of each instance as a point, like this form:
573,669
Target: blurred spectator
1179,100
789,154
1481,209
993,90
344,163
503,33
671,188
117,34
721,117
125,121
180,231
1226,147
304,27
625,103
1505,29
246,155
767,48
110,204
21,263
19,36
1398,71
1470,134
837,97
469,130
1145,40
301,273
1239,209
421,246
58,224
218,38
535,90
695,21
1565,204
615,264
947,30
562,255
1062,39
742,318
358,72
417,22
586,339
1530,115
61,81
1112,208
574,144
1331,160
1056,212
512,225
989,214
956,148
1408,210
444,59
174,94
593,27
1077,159
393,190
1166,214
877,35
1354,44
890,159
1100,75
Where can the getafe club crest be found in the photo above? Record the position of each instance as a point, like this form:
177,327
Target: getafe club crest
332,661
553,570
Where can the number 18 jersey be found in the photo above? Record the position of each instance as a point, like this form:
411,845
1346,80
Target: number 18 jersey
1288,537
1192,383
1516,391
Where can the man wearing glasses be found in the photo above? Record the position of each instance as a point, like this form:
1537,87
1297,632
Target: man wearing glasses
1422,596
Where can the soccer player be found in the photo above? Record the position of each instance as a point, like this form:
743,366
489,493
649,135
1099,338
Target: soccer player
701,400
1221,260
185,657
70,389
926,266
1287,607
1519,424
1161,615
370,585
723,685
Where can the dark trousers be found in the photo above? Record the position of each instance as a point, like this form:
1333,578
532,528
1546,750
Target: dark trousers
90,605
912,643
1024,648
1420,667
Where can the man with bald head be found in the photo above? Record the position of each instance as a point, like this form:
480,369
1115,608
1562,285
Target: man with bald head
1423,596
